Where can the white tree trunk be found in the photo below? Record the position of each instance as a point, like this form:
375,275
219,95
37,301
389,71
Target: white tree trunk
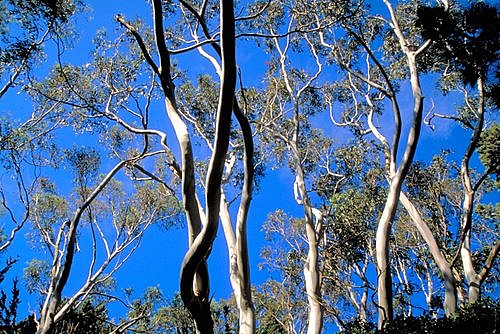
450,296
311,266
242,295
384,280
470,273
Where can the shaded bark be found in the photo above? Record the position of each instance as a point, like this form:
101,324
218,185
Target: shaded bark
243,292
473,278
237,242
200,285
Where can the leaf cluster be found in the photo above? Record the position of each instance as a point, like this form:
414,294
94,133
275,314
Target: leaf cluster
477,318
466,38
489,149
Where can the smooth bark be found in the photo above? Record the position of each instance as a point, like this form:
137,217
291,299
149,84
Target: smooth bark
61,268
243,291
312,276
385,302
239,271
450,285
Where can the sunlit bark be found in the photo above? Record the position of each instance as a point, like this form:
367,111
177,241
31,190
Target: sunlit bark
199,289
313,219
236,239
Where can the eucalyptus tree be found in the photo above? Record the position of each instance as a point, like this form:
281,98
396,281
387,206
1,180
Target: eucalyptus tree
351,184
196,109
25,28
281,305
87,97
382,52
292,100
466,49
355,200
435,190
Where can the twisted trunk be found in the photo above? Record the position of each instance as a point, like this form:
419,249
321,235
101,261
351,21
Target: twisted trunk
201,247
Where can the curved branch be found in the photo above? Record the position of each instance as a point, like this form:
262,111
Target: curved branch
489,262
140,42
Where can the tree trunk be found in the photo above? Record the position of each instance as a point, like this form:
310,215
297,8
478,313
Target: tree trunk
60,272
237,275
468,203
313,287
385,223
474,293
397,178
450,296
311,267
202,245
244,300
384,280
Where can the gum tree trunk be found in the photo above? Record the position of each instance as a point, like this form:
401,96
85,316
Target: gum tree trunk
450,292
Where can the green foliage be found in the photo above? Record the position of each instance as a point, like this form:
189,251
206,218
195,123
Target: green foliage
88,317
359,326
49,208
174,316
489,149
467,38
280,306
36,275
150,204
84,163
158,314
112,94
24,27
143,309
200,103
8,264
436,190
478,318
8,309
355,201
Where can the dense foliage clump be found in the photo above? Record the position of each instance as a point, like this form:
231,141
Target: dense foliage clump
479,318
